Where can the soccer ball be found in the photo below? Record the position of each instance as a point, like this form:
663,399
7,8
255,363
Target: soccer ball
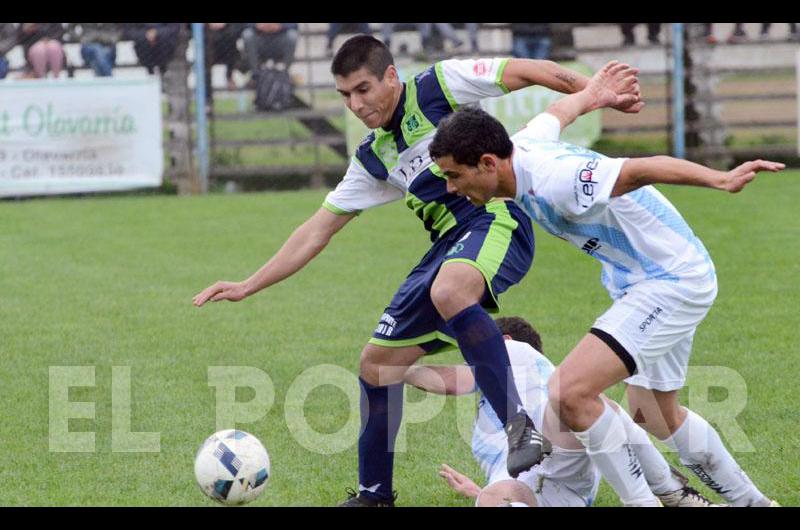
232,467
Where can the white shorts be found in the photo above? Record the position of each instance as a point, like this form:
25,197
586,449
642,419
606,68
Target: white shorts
575,486
655,322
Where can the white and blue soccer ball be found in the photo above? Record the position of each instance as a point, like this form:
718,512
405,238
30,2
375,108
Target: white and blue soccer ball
232,467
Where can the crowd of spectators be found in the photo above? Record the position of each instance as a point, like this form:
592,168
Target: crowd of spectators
238,46
255,46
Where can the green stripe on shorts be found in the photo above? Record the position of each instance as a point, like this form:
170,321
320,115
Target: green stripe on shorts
495,244
416,341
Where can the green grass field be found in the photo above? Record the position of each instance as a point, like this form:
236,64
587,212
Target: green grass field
108,282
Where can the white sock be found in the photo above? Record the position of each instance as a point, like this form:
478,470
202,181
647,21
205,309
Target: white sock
607,446
655,466
701,450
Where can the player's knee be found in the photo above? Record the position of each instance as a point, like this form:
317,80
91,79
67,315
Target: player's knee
450,298
368,368
568,397
444,297
456,287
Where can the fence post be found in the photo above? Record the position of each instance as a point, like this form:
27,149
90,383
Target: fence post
678,130
705,137
200,104
179,123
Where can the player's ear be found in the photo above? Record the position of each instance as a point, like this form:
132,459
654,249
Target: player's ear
390,75
487,162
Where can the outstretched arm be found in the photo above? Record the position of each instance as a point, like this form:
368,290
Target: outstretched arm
439,379
638,172
301,247
614,85
521,73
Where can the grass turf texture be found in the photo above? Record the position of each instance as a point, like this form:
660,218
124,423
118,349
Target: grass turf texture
108,282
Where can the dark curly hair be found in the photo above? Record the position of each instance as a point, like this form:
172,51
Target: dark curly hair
469,133
520,330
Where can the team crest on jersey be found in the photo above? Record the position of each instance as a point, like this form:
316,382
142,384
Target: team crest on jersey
411,123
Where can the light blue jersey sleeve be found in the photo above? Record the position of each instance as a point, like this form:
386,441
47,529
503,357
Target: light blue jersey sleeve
574,181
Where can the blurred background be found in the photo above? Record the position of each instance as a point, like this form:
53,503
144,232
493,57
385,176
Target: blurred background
269,116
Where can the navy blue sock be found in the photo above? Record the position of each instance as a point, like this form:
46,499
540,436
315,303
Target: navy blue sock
381,412
484,349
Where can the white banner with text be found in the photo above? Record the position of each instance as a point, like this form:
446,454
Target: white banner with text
78,136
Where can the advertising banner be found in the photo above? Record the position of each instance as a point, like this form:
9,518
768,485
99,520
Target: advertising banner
77,136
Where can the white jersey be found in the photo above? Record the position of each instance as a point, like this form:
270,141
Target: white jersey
561,478
637,236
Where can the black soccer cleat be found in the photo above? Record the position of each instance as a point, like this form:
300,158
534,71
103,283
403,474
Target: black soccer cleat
526,445
354,500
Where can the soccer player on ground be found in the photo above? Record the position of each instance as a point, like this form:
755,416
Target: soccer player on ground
567,478
477,252
656,270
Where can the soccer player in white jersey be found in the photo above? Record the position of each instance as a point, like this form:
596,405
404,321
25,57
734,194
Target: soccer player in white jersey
656,270
567,478
477,252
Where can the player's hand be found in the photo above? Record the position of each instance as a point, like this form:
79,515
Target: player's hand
460,483
737,178
231,291
616,86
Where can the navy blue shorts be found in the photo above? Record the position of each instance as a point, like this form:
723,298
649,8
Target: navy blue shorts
498,241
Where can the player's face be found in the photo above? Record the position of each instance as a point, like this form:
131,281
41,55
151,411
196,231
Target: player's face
371,99
477,183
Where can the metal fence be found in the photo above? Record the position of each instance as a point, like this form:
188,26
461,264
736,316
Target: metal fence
739,98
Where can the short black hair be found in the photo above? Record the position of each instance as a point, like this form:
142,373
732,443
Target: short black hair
362,50
468,134
520,330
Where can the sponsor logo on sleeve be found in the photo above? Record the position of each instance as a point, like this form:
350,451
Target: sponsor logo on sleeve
481,68
585,183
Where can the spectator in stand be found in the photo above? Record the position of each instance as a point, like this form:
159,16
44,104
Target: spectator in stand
8,39
334,28
448,33
628,39
41,44
792,31
737,36
530,40
98,45
426,34
221,39
269,40
154,44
